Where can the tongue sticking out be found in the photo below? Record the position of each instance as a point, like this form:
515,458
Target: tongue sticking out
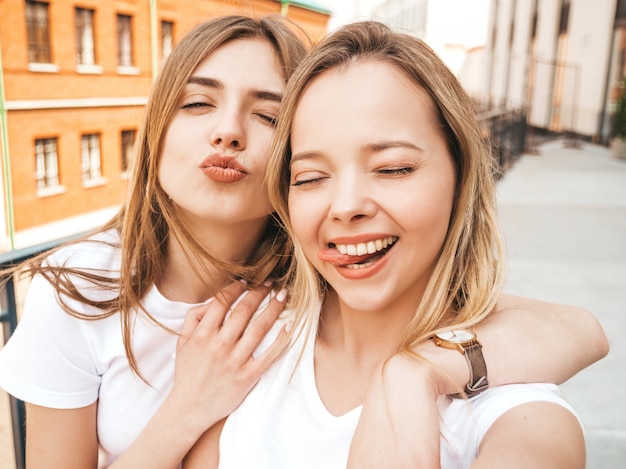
334,257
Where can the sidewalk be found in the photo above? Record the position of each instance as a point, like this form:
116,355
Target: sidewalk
563,214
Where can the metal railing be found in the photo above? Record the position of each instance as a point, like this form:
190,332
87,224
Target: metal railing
8,317
506,131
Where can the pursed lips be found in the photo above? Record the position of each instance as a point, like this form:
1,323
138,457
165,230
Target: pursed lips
223,169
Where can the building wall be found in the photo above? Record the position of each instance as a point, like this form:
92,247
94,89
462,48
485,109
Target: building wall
64,102
563,84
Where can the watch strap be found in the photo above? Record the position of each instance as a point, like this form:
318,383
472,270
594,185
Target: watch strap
477,369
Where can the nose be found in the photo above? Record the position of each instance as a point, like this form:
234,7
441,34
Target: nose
351,200
228,132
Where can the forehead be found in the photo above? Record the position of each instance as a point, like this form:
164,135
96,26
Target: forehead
254,59
366,98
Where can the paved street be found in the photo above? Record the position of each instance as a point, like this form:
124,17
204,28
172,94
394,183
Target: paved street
563,213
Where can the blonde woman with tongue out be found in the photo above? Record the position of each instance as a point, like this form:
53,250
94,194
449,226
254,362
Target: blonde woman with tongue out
381,177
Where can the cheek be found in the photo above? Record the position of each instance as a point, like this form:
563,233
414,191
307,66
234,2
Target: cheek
305,220
430,218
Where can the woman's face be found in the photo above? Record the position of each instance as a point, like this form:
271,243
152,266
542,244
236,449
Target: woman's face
216,147
371,185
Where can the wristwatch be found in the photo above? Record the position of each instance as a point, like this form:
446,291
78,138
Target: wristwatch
467,344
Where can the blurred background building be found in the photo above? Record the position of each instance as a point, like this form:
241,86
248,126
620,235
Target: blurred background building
563,61
74,78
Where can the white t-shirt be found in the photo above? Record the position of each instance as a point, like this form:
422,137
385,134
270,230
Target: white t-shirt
56,360
283,423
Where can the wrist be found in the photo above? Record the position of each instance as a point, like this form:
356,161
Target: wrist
465,342
449,370
194,423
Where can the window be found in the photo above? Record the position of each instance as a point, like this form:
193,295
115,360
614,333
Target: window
564,17
128,142
621,10
124,41
90,154
167,38
47,164
38,32
85,45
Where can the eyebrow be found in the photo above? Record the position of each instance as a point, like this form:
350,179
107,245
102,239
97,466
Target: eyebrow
213,83
379,146
368,147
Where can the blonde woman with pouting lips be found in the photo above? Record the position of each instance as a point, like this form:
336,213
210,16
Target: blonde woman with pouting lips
381,177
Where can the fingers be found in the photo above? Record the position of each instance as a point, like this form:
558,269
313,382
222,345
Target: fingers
241,333
273,352
262,323
214,318
243,312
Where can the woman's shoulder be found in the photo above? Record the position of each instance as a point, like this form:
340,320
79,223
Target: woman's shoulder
100,251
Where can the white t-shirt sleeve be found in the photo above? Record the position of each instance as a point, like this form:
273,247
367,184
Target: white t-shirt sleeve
48,360
464,424
52,358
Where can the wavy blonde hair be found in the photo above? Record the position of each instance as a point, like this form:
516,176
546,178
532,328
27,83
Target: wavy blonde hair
149,217
468,274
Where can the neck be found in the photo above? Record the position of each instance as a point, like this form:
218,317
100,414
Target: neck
179,281
363,333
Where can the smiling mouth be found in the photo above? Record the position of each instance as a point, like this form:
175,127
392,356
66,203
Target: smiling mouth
357,256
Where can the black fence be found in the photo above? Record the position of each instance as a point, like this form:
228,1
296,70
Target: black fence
506,131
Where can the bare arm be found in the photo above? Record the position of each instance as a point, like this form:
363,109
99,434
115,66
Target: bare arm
528,340
205,453
541,435
399,425
61,438
214,370
525,340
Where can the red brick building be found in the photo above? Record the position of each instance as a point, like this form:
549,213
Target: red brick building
75,77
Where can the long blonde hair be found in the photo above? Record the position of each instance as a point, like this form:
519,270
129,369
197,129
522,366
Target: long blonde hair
468,274
149,217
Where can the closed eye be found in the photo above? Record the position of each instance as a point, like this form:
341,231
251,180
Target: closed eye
195,104
271,120
303,182
397,171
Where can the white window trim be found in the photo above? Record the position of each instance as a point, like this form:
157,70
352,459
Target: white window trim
51,191
43,67
95,182
127,70
89,69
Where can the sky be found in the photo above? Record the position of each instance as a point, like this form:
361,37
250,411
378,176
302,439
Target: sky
467,26
345,11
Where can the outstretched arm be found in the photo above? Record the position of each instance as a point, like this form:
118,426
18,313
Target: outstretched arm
524,340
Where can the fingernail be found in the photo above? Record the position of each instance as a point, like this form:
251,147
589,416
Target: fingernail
244,281
267,283
281,295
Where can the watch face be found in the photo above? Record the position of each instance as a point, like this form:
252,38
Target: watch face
456,335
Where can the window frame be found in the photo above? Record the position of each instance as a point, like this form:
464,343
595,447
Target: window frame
37,18
91,160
